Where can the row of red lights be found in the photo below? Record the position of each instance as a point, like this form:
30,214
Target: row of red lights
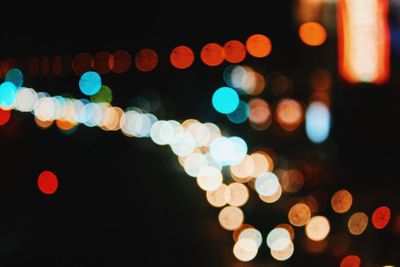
145,60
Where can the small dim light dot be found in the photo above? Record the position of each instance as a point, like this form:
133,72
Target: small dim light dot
341,201
121,61
182,57
146,59
258,45
47,182
381,217
312,33
351,261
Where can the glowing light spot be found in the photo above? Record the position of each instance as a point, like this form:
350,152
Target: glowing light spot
292,180
237,194
260,114
90,115
183,144
341,201
235,51
225,100
43,124
102,62
253,234
104,95
245,249
121,61
200,132
272,198
312,33
209,178
65,125
267,184
288,228
231,218
45,109
81,63
284,254
8,95
47,182
278,239
182,57
146,60
212,54
238,231
357,223
240,114
299,214
110,118
351,261
318,228
289,114
218,198
194,163
15,76
261,164
318,122
381,217
163,132
258,45
235,76
4,116
244,169
90,83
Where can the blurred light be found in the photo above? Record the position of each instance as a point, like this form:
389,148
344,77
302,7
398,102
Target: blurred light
34,67
212,54
288,228
47,182
272,198
90,83
235,51
351,261
81,63
299,214
318,122
260,114
279,83
102,62
8,95
278,239
364,40
146,59
121,61
253,234
90,115
26,99
267,184
258,45
225,100
163,132
261,164
104,95
292,180
43,124
182,57
381,217
218,198
237,194
57,65
312,33
46,109
341,201
245,249
243,169
45,66
209,178
200,133
357,223
318,228
15,76
235,76
228,151
65,125
183,144
339,243
4,116
240,114
285,254
289,114
110,118
231,218
194,163
239,230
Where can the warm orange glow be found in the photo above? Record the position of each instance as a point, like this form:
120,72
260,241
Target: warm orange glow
272,198
146,60
231,218
289,114
363,40
235,51
261,164
299,214
312,33
244,169
258,45
236,194
288,228
358,222
121,61
237,232
65,125
351,261
260,114
182,57
212,54
341,201
43,124
218,198
292,180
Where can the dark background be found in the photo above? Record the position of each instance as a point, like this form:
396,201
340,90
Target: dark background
122,201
